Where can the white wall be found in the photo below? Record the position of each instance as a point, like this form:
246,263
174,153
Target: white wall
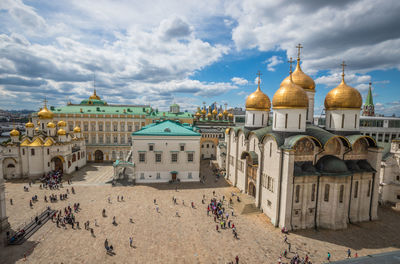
256,118
292,123
310,109
334,120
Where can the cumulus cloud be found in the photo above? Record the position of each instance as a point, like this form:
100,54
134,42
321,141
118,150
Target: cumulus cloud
272,62
239,81
365,33
138,63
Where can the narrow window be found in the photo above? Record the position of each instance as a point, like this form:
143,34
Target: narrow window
23,151
262,120
48,151
254,118
299,120
356,189
182,147
330,120
313,193
355,121
32,152
297,193
286,117
369,188
270,149
142,156
275,120
307,114
342,120
151,147
341,193
326,195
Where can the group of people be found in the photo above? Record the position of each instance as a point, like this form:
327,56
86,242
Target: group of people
52,179
68,217
221,216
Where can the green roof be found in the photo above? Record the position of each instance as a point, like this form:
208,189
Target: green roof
369,100
166,128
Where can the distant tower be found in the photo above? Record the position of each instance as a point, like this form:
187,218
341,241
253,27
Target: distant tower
369,108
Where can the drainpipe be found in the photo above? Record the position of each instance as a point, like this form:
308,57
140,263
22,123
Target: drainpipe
317,193
279,190
291,208
372,194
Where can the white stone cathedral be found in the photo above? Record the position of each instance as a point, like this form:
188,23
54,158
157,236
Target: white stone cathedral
303,176
45,147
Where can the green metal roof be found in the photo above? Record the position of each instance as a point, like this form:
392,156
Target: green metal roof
369,100
166,128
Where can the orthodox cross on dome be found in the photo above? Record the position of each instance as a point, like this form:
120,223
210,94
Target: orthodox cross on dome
259,78
290,64
343,65
45,102
299,47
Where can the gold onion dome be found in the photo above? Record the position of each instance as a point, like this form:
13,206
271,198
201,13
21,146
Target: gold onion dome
45,113
225,112
61,132
14,133
220,115
62,123
77,129
51,125
214,112
203,111
94,96
197,114
209,114
230,115
343,97
258,100
29,125
301,79
37,129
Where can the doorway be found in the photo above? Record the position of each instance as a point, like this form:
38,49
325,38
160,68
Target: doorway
98,156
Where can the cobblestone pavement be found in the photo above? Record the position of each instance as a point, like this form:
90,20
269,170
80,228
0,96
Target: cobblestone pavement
164,238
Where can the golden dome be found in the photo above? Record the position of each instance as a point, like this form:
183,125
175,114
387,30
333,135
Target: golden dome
301,79
225,112
45,113
29,125
227,130
258,100
290,95
214,112
37,129
343,97
220,115
77,129
209,114
230,115
61,123
14,133
203,112
94,96
61,132
51,125
197,114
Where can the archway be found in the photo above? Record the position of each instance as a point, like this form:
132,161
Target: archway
10,171
58,164
9,168
98,156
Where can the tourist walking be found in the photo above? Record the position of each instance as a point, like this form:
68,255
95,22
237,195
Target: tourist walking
237,259
130,241
329,257
348,253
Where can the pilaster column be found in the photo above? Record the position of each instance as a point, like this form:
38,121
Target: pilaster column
259,175
4,225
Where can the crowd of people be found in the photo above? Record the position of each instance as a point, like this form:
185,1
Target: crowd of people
52,180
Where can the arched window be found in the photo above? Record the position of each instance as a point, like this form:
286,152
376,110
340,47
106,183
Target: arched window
297,193
326,194
300,120
330,120
254,118
355,121
341,193
262,120
274,120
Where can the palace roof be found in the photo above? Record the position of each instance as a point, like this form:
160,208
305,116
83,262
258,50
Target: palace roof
167,128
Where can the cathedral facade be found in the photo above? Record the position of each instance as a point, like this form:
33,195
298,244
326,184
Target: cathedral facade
45,147
303,176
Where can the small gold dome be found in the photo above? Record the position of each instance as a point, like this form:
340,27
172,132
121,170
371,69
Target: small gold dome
230,115
29,125
14,133
94,96
37,129
343,97
214,112
61,132
225,112
209,114
61,123
290,95
45,113
77,129
197,114
227,130
203,112
51,125
220,115
301,79
258,101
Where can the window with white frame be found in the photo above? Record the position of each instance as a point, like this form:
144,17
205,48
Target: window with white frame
174,157
190,157
158,157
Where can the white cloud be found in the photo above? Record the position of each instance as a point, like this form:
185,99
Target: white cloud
242,93
272,62
239,81
361,32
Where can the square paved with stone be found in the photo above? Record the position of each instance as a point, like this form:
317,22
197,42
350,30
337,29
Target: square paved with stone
164,238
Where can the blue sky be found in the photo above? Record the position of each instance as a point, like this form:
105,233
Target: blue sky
189,52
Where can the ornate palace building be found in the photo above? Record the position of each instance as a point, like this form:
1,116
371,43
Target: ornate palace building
45,147
107,128
301,175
